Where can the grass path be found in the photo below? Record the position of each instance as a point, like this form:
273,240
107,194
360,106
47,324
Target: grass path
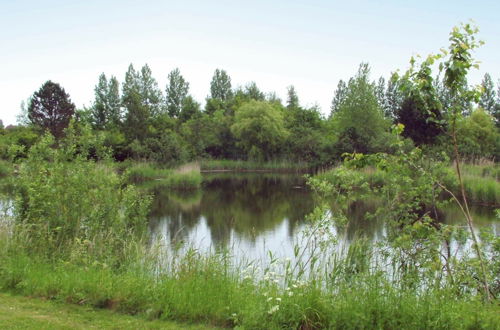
28,313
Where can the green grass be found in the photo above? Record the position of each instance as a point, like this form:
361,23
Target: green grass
206,289
182,178
29,313
245,165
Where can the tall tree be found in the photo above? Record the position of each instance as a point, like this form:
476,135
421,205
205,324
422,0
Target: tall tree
292,100
150,93
338,98
220,86
393,97
488,98
253,92
105,111
380,92
176,91
359,121
99,109
114,102
137,115
51,108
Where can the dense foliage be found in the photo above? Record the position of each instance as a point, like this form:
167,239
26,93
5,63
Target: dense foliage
139,121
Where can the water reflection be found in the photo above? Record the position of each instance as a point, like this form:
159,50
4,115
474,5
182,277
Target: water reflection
253,213
243,206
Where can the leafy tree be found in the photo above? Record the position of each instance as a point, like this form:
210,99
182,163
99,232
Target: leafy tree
380,93
359,119
488,97
51,108
259,128
114,102
393,97
421,111
220,86
272,97
142,100
214,105
190,108
106,108
15,141
456,66
292,100
338,98
150,93
210,134
420,125
477,135
308,138
169,148
251,92
137,114
176,91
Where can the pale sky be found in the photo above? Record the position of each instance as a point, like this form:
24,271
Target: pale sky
310,44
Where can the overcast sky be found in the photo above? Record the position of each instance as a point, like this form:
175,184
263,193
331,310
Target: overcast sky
310,44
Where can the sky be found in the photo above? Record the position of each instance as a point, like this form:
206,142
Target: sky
309,44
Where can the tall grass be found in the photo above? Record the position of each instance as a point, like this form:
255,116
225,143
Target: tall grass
247,165
185,177
209,289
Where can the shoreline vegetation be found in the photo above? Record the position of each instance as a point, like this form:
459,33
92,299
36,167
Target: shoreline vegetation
224,165
481,180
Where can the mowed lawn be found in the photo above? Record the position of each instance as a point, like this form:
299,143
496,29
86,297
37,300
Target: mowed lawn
32,313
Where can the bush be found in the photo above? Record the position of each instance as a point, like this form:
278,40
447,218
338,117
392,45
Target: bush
66,204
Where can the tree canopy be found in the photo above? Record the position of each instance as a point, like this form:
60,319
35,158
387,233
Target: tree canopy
51,108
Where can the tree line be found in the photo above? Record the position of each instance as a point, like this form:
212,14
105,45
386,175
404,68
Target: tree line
139,120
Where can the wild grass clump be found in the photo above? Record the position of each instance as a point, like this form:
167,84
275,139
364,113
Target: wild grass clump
482,190
185,177
487,169
247,165
481,182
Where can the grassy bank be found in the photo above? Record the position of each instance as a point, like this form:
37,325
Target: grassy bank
18,312
185,177
204,289
482,182
245,165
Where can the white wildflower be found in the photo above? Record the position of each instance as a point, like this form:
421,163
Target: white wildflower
274,309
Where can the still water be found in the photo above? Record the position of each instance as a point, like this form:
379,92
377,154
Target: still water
253,214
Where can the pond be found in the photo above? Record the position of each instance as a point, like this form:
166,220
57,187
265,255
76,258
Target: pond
253,214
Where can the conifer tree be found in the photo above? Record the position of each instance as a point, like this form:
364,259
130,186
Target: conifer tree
51,108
